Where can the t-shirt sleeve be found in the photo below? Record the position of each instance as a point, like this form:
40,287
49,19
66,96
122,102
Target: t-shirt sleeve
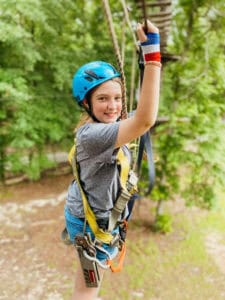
99,139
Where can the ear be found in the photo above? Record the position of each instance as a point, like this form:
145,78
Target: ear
85,103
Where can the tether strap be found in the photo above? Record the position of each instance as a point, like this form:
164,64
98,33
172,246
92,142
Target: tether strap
145,143
121,256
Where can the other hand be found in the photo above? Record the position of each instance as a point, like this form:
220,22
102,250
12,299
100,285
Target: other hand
141,30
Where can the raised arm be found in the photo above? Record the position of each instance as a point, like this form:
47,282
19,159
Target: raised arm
147,108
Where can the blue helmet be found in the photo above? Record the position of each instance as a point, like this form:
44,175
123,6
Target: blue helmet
91,75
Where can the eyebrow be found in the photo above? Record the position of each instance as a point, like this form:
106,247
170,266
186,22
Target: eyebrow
106,94
97,95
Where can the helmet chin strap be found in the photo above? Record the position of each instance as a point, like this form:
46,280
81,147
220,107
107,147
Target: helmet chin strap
93,117
87,106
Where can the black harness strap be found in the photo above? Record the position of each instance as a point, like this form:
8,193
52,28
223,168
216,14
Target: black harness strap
146,144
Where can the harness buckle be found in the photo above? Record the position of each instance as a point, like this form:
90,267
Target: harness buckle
84,241
132,182
115,241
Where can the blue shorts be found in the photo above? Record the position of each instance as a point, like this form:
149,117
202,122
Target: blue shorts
75,225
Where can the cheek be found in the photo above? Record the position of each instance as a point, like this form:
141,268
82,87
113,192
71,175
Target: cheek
119,106
99,107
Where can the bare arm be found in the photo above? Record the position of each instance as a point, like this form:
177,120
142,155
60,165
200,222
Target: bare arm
147,108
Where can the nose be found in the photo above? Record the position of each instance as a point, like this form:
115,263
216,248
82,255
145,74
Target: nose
112,104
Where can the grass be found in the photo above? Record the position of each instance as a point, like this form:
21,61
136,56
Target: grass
173,266
176,266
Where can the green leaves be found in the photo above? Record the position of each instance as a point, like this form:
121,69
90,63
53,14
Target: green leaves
35,75
42,43
192,153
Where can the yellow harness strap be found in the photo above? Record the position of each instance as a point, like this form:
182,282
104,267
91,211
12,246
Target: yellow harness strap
123,161
101,235
71,154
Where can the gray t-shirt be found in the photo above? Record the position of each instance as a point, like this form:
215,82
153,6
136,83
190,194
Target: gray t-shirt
99,173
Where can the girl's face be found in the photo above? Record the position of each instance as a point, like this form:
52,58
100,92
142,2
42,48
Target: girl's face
106,101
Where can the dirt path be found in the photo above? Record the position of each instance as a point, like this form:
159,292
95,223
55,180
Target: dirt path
216,248
34,263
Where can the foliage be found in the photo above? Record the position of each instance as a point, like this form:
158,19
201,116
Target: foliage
163,223
43,42
180,265
191,145
41,45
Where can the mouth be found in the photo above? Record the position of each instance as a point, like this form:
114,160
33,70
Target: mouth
111,115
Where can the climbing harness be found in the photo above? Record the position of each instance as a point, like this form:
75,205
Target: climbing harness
87,247
128,182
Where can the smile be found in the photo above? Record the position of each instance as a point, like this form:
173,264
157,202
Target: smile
111,114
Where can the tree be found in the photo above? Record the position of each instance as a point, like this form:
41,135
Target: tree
42,43
192,152
38,42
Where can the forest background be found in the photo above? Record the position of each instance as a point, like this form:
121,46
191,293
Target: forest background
42,43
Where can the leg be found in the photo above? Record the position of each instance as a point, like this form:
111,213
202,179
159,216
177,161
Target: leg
82,292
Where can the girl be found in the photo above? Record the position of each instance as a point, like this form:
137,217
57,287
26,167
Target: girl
97,87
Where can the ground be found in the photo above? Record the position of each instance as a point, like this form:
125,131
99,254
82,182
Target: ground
188,263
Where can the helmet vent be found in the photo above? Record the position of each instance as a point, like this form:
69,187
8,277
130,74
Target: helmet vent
92,74
88,78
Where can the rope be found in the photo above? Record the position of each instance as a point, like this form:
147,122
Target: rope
144,14
118,55
123,41
126,15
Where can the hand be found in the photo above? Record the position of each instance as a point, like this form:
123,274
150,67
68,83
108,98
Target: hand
141,33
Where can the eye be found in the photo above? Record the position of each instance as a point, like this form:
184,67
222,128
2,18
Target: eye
118,98
102,98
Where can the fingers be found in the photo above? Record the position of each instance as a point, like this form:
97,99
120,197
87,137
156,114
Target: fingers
141,33
152,27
